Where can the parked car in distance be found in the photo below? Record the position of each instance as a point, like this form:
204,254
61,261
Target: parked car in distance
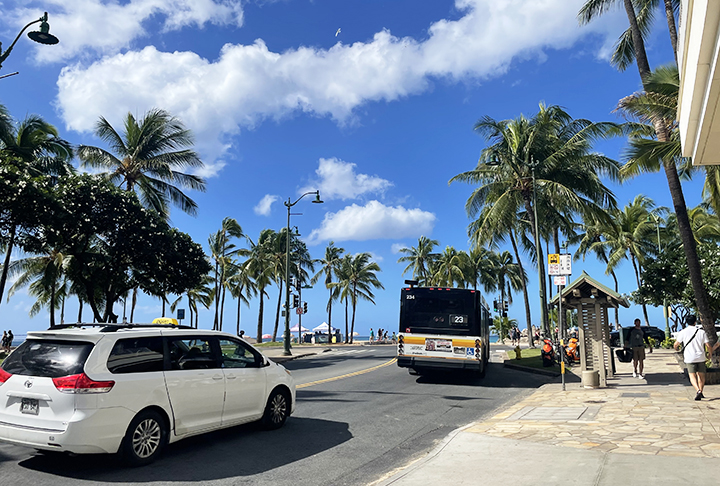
649,331
135,388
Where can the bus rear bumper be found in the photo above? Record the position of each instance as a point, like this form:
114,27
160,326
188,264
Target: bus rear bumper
438,363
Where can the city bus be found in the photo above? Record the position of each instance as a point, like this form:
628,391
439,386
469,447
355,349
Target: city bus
443,329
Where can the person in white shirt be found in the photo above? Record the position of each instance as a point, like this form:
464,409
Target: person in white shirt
695,342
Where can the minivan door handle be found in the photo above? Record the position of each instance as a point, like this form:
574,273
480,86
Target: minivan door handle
217,377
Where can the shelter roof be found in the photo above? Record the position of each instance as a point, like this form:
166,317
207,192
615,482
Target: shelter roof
586,287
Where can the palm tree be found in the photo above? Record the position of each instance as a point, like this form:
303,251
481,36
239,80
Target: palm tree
356,279
44,274
508,273
147,157
419,259
565,180
242,288
203,294
37,146
329,267
478,268
655,143
222,251
258,266
448,269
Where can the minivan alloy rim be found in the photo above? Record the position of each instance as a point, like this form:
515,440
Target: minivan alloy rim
277,408
146,438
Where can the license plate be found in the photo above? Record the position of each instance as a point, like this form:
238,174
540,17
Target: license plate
29,405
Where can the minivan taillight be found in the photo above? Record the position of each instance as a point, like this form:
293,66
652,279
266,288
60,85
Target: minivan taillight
4,376
81,384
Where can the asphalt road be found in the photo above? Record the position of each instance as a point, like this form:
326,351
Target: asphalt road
358,417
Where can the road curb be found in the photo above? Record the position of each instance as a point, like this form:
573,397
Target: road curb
283,359
536,371
400,473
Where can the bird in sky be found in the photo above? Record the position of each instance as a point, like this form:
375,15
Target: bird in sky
338,32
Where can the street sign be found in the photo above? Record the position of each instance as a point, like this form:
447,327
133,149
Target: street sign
559,264
553,264
562,280
565,264
299,310
181,314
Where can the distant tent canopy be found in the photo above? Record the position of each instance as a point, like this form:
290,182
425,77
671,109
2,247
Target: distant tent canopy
324,328
295,328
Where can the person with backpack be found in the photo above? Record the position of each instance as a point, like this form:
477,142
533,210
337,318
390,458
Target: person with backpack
694,341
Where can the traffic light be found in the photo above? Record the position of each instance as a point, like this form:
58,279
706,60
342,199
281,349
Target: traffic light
304,307
495,306
295,301
505,306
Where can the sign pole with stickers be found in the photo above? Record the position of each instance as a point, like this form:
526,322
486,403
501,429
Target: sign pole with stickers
560,266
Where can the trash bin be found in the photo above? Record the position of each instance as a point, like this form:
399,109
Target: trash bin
591,379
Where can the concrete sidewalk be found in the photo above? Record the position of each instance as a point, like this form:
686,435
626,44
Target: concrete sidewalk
588,436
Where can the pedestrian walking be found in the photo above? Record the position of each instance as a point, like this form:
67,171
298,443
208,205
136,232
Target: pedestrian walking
637,344
695,341
372,335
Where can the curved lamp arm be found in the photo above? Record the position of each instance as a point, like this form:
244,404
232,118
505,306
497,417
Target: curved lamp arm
5,54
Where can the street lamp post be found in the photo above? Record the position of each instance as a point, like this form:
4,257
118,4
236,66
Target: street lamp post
288,204
42,36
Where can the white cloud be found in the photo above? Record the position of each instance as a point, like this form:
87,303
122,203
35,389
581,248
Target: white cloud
265,205
337,180
373,221
107,26
396,247
248,83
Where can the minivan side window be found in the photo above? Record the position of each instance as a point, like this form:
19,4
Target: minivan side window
236,354
192,353
137,355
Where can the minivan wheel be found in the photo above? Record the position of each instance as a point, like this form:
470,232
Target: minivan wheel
277,410
145,438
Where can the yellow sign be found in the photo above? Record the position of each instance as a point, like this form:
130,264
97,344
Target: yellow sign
553,258
165,320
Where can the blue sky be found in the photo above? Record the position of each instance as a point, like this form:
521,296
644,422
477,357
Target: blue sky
378,117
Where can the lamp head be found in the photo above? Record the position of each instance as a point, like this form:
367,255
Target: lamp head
317,199
43,36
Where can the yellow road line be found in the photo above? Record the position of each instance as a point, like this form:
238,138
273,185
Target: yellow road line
355,373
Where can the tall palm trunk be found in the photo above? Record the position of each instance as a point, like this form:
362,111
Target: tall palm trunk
218,277
277,311
707,316
617,309
237,332
329,308
346,321
638,42
354,306
541,268
6,264
62,311
222,308
162,298
134,303
52,305
670,14
80,309
528,317
260,317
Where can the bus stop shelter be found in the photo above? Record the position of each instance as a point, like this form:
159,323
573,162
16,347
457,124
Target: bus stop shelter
592,300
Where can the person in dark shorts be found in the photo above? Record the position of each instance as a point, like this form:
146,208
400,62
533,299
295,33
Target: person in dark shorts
695,342
637,344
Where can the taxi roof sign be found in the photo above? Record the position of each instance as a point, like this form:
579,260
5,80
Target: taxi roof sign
165,320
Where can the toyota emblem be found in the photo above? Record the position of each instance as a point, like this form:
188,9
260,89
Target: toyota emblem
28,384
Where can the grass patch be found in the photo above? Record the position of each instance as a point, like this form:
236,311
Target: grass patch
531,359
269,344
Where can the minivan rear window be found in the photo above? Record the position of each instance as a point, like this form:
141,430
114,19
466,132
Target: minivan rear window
48,358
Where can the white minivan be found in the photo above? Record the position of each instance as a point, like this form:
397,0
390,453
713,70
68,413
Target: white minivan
134,388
